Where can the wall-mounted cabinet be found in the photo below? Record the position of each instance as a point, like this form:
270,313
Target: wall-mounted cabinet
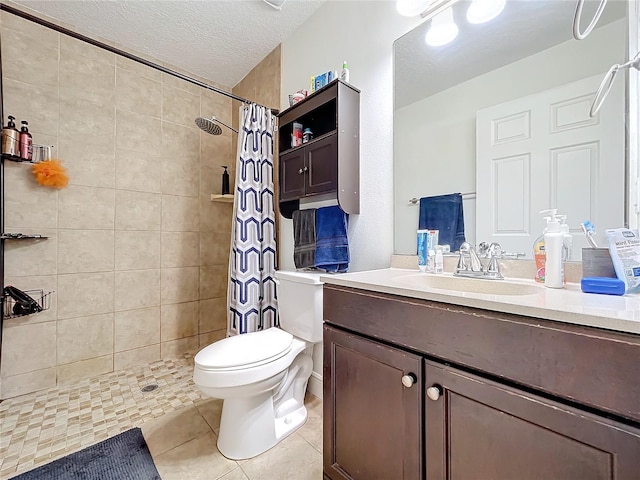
328,163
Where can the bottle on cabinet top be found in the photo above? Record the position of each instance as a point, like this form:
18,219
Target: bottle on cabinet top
344,74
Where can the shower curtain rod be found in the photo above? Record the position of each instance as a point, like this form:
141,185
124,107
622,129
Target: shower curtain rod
122,53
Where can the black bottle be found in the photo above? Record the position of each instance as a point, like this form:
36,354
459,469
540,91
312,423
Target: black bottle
225,181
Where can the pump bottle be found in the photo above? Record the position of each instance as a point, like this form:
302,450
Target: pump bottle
11,139
26,142
553,244
225,181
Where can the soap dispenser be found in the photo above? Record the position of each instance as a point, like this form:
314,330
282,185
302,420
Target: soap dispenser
26,142
225,181
553,244
11,139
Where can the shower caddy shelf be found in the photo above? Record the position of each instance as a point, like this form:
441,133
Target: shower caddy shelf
43,299
227,198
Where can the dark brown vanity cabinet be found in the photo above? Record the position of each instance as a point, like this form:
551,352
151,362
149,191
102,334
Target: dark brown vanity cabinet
500,397
329,162
372,423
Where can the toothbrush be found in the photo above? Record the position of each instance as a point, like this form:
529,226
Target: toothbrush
589,230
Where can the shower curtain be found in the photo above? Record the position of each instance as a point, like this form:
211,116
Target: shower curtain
251,295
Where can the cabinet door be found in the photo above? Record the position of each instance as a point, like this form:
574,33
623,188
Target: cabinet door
322,165
478,429
292,175
372,421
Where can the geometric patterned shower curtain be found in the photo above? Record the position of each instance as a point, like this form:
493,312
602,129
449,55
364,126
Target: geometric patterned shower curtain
251,294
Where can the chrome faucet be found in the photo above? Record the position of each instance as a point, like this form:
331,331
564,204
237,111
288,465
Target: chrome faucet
469,264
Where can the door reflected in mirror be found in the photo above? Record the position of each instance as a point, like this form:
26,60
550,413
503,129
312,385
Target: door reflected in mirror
501,114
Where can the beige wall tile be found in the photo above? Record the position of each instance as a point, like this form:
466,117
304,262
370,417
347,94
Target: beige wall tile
46,283
211,179
179,321
214,104
214,248
180,106
206,339
92,367
26,203
140,133
138,171
180,249
215,216
32,257
137,289
217,150
135,93
27,348
87,79
213,281
87,208
137,328
175,82
28,59
89,160
28,382
138,210
180,214
179,285
179,141
86,50
137,250
136,357
82,294
85,251
139,69
27,27
213,315
87,118
84,338
180,175
177,348
38,105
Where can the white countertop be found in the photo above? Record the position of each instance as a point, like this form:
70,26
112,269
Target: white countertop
569,305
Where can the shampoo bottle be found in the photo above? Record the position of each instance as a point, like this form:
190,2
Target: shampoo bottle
344,74
553,243
26,142
11,139
225,181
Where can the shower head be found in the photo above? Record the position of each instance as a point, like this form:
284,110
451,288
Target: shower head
210,125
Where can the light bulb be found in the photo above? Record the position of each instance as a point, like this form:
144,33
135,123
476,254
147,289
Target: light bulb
481,11
443,29
412,8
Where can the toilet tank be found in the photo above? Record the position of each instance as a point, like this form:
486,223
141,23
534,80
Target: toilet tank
300,304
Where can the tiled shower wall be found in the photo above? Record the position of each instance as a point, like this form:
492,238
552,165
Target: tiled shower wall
137,253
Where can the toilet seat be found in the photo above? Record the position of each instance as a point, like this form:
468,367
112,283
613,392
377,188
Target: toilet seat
245,351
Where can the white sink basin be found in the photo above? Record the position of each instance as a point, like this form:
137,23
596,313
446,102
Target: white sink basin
472,285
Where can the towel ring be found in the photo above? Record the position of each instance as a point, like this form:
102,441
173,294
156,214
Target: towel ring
577,16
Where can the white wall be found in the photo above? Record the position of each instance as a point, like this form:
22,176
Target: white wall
362,33
435,137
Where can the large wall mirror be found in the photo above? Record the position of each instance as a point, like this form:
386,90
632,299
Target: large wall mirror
501,115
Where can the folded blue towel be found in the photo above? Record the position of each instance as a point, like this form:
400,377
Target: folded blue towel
444,213
332,244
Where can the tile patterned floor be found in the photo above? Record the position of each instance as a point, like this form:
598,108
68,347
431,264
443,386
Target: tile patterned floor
178,422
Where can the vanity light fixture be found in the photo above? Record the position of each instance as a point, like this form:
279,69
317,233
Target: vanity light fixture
481,11
443,29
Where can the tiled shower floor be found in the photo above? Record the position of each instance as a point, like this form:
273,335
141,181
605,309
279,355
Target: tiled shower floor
180,426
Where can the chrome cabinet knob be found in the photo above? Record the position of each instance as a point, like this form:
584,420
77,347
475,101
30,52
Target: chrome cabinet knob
434,392
408,380
301,171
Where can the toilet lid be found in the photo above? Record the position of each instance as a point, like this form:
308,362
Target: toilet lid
245,349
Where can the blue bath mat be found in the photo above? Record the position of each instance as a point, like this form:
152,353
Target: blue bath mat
123,457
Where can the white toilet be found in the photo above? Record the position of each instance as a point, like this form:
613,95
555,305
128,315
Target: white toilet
262,376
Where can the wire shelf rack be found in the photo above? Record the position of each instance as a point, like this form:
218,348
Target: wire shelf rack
43,300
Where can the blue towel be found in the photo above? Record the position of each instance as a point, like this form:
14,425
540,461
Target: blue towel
444,213
332,244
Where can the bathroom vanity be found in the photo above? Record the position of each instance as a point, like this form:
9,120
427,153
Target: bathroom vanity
429,383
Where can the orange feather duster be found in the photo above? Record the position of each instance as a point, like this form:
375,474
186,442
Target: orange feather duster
50,173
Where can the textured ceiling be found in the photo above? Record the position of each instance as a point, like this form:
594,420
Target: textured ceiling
220,40
522,29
